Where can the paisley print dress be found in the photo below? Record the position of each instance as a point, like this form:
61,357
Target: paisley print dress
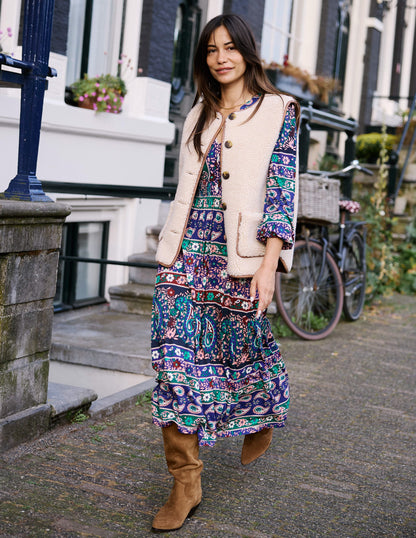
219,369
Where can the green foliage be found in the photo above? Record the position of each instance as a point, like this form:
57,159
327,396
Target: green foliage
105,93
77,416
406,259
369,146
144,399
329,163
279,328
382,267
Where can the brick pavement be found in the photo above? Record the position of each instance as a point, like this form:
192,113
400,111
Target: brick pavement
343,466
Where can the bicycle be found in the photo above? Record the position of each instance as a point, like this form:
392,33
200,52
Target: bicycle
328,274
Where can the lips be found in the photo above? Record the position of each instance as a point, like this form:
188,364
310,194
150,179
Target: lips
223,70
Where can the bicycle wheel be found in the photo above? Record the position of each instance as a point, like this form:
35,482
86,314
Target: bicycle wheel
310,306
354,277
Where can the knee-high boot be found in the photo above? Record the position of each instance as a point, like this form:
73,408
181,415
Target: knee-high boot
255,445
184,465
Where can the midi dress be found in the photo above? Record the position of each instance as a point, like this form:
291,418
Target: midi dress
219,370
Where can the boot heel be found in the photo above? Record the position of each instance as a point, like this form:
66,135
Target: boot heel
255,445
184,465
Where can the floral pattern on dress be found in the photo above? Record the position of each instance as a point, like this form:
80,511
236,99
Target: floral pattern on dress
219,369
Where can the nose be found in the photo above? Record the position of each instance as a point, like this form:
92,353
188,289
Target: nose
221,56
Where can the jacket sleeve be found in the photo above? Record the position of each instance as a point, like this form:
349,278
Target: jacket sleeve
278,213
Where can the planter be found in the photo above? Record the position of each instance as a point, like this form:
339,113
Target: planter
300,89
289,84
89,103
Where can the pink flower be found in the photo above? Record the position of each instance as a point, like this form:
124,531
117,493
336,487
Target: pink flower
86,95
97,84
115,99
81,98
94,106
103,90
93,94
99,98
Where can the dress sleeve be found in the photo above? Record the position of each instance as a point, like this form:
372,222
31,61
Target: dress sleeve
280,187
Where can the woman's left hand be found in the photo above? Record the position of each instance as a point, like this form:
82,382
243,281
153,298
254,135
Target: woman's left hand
264,278
263,283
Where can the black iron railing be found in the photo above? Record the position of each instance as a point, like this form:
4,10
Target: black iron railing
36,39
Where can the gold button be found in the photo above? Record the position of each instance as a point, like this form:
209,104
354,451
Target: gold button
224,206
232,116
225,175
228,144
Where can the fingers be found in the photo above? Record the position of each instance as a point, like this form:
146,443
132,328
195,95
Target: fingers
264,290
261,307
265,298
253,289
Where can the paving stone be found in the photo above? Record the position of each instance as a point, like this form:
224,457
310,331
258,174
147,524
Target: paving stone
343,466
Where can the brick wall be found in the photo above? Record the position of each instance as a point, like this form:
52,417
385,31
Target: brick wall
251,12
327,38
156,38
60,26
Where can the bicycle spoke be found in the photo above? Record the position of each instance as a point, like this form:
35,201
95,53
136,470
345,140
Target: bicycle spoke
354,277
310,305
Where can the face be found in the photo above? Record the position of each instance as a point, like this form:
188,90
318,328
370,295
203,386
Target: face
224,61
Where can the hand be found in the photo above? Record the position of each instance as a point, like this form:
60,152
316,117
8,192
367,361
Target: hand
263,283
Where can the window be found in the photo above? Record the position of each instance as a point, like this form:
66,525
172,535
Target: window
94,37
344,7
276,30
82,283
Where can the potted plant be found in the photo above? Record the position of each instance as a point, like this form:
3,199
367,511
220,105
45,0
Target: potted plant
104,93
300,83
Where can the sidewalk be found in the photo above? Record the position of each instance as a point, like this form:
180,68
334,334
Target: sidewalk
344,466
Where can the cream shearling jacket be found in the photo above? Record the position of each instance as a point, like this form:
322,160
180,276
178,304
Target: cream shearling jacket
247,146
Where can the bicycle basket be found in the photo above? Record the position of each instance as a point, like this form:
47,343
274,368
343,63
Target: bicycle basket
318,198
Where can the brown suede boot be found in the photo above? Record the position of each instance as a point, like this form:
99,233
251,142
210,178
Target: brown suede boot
255,445
181,453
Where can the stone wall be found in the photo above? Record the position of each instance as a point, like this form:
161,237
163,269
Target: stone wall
30,238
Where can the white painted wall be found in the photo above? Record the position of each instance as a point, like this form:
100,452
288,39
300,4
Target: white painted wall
355,59
79,145
303,48
213,8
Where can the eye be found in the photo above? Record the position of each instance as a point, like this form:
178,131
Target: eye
210,51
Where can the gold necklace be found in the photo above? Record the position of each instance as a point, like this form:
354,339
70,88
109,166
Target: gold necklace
236,105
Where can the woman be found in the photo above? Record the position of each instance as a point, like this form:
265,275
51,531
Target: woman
219,369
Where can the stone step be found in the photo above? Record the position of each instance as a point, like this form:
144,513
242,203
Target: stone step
107,340
66,400
142,275
132,298
152,237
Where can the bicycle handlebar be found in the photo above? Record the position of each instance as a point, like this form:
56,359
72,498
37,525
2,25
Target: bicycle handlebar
354,165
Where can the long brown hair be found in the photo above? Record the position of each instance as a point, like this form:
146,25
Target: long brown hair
209,89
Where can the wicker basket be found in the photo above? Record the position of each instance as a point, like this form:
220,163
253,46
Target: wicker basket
318,198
